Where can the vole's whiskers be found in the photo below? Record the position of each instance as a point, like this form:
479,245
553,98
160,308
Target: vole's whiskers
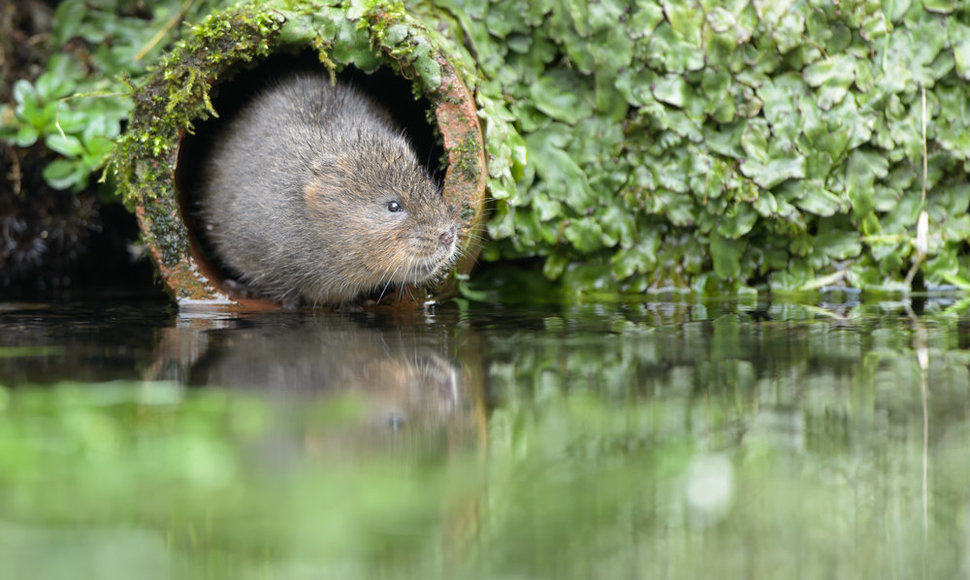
390,274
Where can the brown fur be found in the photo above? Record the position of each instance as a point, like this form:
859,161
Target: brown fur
295,195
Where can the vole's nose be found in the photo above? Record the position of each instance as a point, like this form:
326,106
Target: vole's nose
447,237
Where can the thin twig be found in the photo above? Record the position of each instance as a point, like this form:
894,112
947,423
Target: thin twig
923,196
172,22
923,222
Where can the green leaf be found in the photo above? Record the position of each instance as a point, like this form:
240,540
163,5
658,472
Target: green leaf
98,125
788,34
676,54
726,256
619,226
771,173
51,87
634,84
547,209
833,77
584,234
644,18
64,173
672,89
781,96
940,6
838,244
754,139
604,15
862,171
579,13
612,51
566,180
943,267
639,259
738,221
961,59
26,136
686,18
610,103
679,209
66,67
554,266
563,96
24,91
428,70
817,200
98,149
67,145
727,140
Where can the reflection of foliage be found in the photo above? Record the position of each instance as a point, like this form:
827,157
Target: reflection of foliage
816,430
229,484
602,423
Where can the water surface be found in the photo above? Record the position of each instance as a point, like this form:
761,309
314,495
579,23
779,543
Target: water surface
661,440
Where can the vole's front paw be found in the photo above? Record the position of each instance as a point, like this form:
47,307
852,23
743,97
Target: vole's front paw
237,289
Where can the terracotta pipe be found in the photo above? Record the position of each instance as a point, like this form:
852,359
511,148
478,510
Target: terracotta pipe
175,99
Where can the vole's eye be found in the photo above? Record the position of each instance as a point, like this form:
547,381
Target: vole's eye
394,207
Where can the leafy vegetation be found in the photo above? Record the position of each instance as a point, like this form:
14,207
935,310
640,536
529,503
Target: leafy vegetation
696,146
709,145
77,105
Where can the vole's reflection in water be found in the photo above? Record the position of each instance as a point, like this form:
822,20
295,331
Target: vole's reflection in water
402,390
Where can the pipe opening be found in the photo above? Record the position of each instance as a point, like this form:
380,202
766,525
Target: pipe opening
393,92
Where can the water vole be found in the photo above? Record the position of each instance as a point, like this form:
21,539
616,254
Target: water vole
311,194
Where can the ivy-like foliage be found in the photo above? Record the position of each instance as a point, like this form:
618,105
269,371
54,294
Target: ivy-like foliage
76,107
712,146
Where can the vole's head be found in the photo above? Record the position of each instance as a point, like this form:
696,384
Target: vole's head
383,212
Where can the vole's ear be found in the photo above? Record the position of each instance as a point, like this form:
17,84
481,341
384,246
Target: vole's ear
322,165
329,165
331,181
